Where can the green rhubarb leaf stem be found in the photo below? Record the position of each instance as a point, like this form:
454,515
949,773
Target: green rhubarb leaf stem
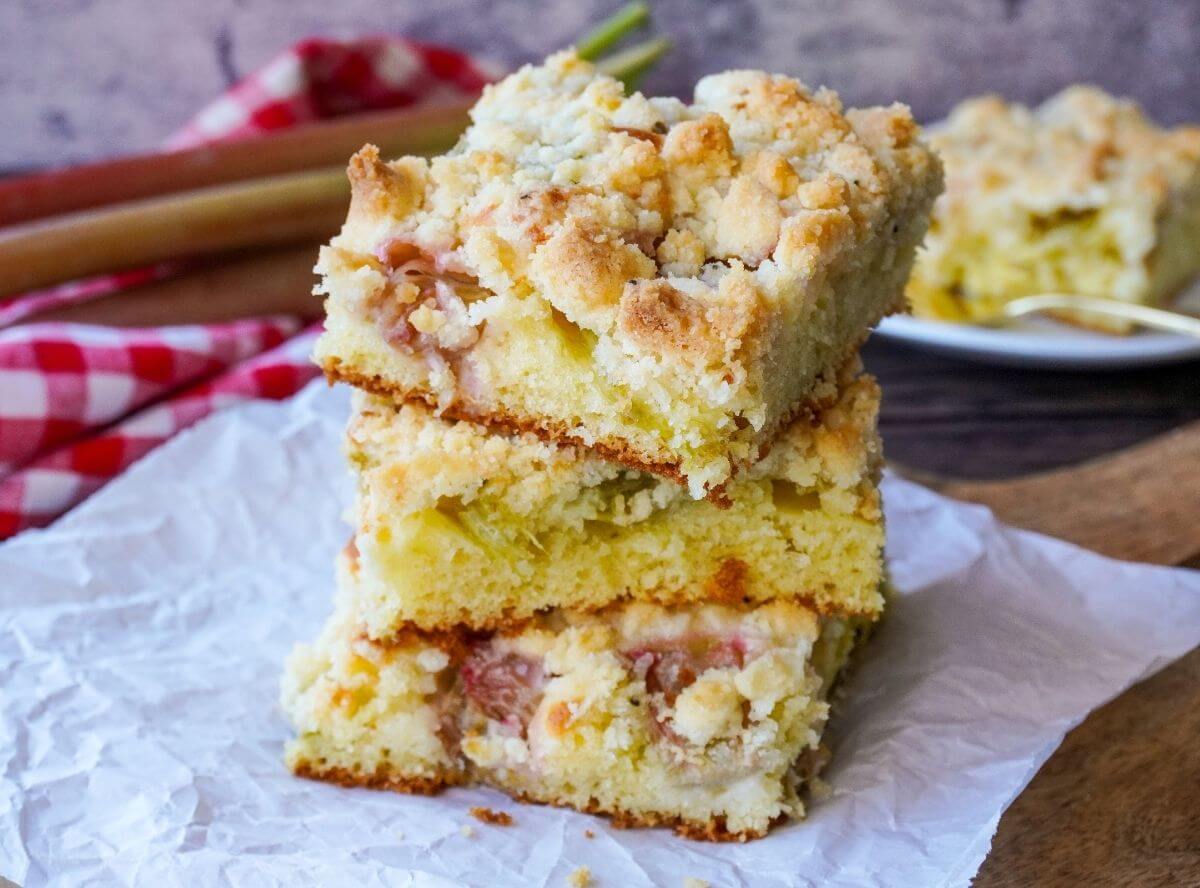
612,31
631,64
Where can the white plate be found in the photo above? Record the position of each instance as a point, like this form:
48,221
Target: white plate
1041,343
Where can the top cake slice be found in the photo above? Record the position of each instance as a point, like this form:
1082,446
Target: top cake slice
668,284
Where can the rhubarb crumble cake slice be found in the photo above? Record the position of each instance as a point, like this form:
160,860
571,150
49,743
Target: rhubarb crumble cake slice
668,284
707,718
460,525
1081,195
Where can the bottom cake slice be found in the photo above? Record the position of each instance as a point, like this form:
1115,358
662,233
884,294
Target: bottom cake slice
704,717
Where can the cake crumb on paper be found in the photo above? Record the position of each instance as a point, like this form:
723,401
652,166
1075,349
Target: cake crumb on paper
693,882
487,815
818,789
580,878
588,834
467,830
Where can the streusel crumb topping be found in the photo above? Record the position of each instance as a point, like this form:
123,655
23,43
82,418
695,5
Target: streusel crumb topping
1082,148
669,222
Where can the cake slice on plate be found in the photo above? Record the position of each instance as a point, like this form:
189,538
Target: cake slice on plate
667,284
1082,195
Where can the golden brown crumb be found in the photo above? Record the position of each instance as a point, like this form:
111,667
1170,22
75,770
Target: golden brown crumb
779,679
377,187
728,586
487,815
659,316
818,789
588,834
703,145
558,718
580,878
586,269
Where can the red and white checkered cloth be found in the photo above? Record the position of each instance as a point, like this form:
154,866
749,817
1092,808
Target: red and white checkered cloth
79,403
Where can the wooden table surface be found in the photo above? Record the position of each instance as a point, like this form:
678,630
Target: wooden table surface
956,419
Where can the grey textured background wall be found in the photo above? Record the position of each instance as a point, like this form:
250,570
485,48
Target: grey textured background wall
86,78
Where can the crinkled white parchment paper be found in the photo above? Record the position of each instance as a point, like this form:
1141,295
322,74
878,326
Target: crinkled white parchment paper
140,648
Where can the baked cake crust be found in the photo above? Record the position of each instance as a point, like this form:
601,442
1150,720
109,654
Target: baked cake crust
668,281
380,779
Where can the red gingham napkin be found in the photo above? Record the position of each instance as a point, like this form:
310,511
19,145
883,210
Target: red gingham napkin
79,403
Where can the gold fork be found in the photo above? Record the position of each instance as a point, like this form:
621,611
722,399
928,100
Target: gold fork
1142,315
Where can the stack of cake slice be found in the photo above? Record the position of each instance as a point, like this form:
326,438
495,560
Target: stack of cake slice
617,526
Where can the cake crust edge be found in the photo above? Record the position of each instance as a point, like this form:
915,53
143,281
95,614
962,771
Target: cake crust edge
713,829
555,432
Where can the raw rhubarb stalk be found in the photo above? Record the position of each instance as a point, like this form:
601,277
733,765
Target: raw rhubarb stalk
610,32
631,64
272,282
424,131
279,210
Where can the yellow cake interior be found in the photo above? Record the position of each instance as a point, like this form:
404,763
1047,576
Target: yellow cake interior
456,525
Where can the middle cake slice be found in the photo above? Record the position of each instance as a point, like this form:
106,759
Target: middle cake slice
459,526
